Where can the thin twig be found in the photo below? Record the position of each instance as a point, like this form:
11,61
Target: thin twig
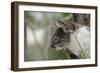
66,53
79,45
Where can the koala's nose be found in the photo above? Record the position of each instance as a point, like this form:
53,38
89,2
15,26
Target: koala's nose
53,46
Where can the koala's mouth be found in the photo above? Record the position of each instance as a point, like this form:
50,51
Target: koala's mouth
57,47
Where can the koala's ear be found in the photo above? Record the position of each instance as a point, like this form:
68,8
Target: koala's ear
58,24
73,26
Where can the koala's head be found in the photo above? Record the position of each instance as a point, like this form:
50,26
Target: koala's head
62,34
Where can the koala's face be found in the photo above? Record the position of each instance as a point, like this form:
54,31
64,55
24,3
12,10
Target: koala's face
62,34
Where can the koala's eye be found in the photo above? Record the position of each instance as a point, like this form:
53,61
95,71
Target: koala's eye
56,39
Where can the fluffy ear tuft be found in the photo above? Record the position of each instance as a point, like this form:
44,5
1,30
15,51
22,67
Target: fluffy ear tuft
59,24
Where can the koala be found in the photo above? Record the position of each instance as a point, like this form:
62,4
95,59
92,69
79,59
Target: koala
61,37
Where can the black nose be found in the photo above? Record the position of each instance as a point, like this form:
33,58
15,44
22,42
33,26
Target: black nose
53,46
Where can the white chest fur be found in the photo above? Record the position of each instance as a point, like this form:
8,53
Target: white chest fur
80,41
